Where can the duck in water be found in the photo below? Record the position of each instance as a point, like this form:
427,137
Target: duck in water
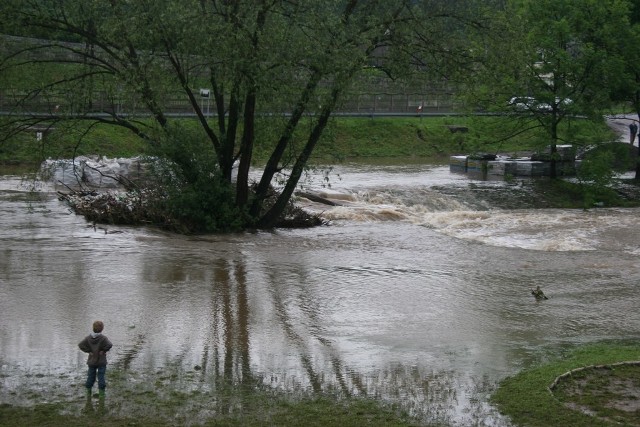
539,294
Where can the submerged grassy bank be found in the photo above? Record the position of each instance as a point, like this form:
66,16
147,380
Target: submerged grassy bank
316,412
593,397
183,398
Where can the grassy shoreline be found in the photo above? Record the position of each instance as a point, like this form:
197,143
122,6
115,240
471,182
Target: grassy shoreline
181,397
526,397
344,138
322,411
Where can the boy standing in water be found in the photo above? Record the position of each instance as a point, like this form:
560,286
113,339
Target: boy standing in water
97,346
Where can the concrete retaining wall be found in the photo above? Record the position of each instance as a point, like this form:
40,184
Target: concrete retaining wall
512,167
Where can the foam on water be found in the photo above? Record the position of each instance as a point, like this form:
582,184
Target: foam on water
536,230
555,230
545,230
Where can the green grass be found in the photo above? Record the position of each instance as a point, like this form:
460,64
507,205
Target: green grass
527,400
384,137
173,396
344,138
257,409
69,140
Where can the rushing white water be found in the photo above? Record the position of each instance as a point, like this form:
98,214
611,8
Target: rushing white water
411,295
410,196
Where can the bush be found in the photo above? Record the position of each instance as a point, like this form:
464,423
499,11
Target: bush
197,198
598,169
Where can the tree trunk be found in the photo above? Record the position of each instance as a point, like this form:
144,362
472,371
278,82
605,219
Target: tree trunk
226,155
246,149
553,170
271,167
270,218
637,177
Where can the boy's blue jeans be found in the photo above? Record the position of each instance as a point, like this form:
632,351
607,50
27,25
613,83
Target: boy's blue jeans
91,377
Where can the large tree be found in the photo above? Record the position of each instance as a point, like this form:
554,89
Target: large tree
558,61
627,91
270,66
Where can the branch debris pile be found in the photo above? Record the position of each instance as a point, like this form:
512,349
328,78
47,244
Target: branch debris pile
144,207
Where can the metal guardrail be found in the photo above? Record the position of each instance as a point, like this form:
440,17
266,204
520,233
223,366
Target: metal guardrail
12,103
375,96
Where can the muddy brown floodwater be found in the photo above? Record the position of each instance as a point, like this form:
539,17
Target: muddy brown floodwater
412,295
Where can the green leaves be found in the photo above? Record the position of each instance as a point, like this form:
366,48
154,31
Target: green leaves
271,58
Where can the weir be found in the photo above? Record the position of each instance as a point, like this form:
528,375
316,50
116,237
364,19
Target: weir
487,165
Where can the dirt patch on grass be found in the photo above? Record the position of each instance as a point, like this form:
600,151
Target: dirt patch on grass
609,392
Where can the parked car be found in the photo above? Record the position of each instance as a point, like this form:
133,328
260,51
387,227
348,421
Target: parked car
529,103
523,103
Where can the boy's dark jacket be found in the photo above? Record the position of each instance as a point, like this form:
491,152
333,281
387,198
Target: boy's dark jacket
97,348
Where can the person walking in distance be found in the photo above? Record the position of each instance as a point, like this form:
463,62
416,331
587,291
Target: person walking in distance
633,131
97,345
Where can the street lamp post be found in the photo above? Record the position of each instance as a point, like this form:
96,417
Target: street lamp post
204,94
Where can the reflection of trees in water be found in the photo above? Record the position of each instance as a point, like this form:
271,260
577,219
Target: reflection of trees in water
425,394
307,307
230,322
206,366
130,353
224,352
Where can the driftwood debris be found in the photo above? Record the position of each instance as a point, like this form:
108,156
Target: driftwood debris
111,207
316,198
145,207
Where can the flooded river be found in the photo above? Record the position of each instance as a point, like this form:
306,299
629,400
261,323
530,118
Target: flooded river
412,295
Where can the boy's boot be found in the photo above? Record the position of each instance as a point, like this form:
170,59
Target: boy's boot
101,393
88,393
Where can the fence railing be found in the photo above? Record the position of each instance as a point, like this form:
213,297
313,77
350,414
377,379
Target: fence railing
374,96
12,102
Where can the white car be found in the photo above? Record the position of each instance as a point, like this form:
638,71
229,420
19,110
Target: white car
529,103
523,103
